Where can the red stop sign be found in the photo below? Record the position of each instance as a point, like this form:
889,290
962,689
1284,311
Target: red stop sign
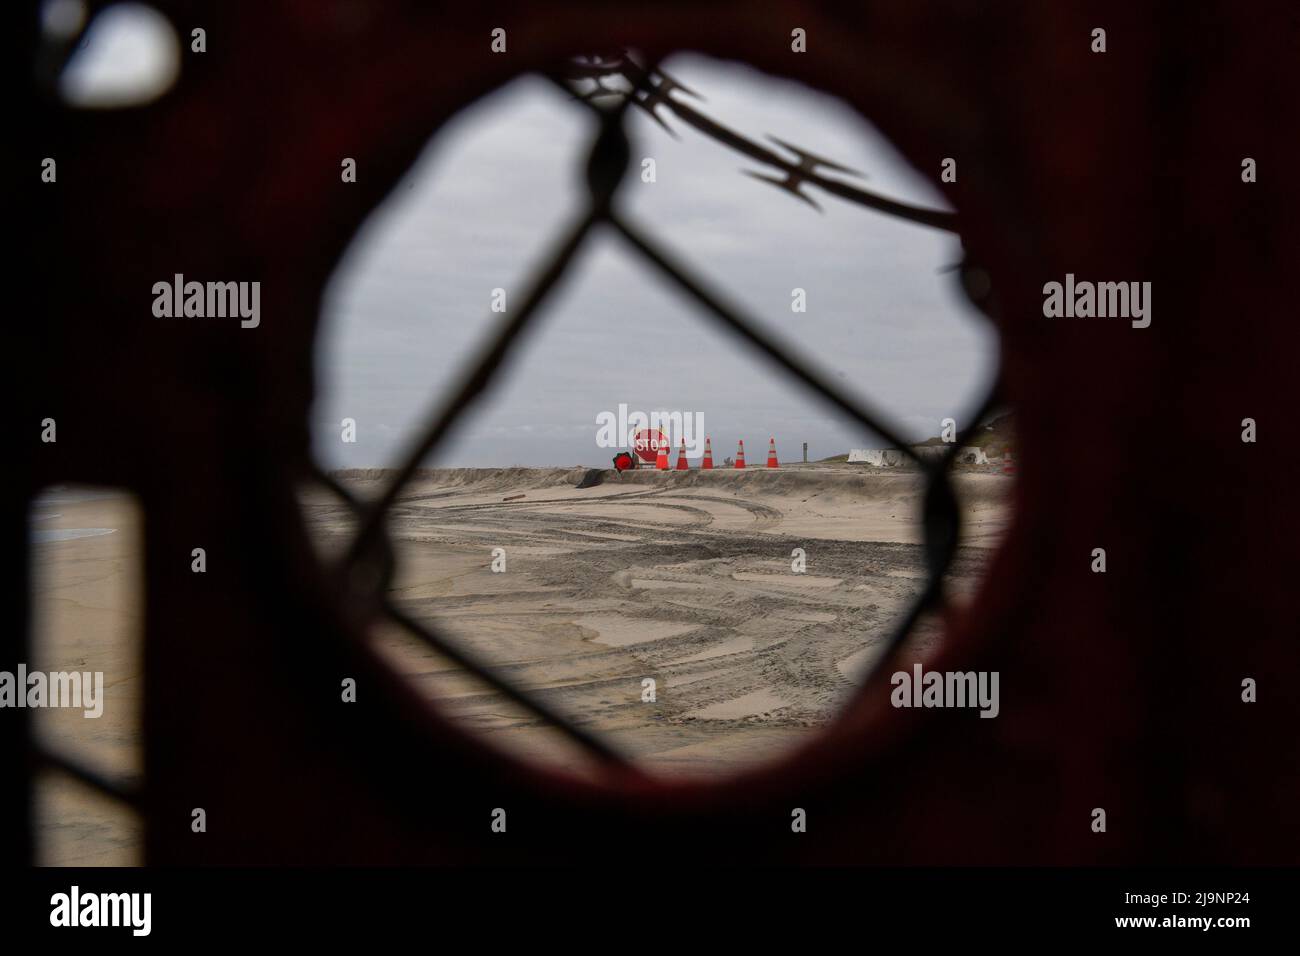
646,444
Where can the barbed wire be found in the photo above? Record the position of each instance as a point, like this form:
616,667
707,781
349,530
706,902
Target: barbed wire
649,88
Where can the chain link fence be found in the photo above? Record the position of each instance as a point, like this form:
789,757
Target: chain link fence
610,87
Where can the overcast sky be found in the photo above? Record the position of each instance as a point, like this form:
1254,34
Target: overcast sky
411,299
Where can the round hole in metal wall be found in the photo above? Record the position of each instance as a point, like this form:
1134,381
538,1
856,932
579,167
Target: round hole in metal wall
696,622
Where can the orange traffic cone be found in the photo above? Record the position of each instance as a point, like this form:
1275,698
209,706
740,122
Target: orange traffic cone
740,454
681,458
771,454
707,463
661,459
1008,466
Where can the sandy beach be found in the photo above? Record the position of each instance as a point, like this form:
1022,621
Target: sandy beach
684,579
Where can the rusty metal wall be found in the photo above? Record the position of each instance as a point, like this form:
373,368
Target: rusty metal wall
1119,690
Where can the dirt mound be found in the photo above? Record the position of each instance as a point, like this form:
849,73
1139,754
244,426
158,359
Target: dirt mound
484,479
993,436
828,485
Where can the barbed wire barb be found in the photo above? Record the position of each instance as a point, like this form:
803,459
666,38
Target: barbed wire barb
653,88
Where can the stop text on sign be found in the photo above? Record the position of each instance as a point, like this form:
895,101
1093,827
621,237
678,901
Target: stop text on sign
646,444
